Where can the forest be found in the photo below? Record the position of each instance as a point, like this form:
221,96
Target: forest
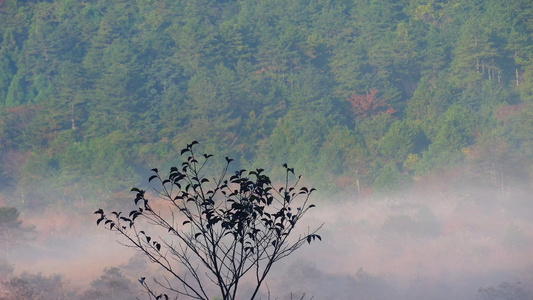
367,99
365,96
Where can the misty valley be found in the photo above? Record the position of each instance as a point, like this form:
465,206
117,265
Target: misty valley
266,149
474,246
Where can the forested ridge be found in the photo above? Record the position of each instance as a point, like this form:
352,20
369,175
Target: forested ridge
359,95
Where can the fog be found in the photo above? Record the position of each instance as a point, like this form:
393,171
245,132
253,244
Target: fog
435,247
423,243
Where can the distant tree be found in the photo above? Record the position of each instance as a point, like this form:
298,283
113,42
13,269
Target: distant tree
20,130
389,180
34,287
11,229
112,284
505,291
368,104
9,218
404,137
218,230
6,269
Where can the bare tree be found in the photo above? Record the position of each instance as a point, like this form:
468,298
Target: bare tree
219,230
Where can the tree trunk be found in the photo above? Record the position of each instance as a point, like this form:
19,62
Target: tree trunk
72,116
357,181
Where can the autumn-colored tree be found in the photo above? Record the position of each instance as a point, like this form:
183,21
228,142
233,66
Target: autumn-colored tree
368,104
504,112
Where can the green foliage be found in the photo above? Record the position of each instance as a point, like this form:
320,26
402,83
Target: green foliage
389,179
296,138
403,138
15,93
262,82
432,98
373,129
455,129
454,133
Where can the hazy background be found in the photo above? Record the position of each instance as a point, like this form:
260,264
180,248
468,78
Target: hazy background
423,245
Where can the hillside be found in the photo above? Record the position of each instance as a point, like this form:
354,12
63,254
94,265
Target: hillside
360,96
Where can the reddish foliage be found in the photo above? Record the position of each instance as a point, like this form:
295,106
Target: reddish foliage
368,104
438,183
22,110
344,181
487,152
270,69
502,113
366,193
19,117
13,161
453,226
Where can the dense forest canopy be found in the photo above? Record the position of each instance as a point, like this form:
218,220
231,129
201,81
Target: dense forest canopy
358,95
